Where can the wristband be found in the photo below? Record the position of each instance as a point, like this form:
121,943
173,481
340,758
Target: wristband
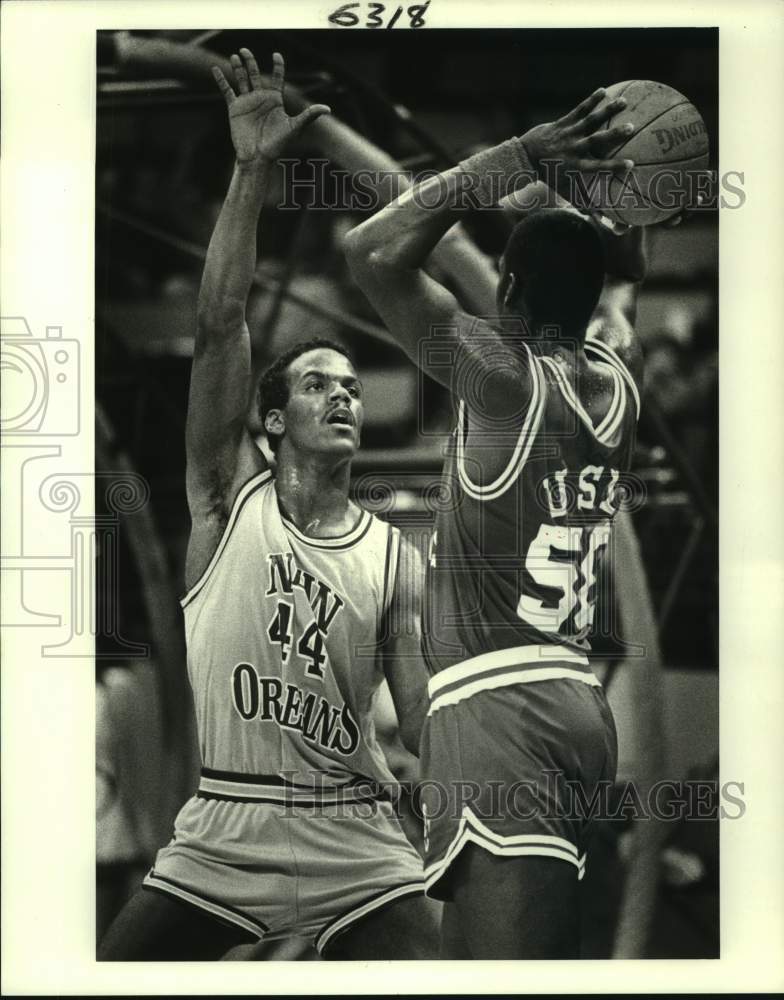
496,172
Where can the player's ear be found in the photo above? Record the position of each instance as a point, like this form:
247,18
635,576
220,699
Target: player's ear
275,422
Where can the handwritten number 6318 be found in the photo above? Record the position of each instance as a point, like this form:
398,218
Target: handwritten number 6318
344,16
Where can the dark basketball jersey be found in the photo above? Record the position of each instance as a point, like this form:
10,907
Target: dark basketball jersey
513,562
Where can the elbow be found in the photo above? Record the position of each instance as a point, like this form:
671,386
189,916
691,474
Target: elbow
218,319
363,253
353,243
357,244
355,250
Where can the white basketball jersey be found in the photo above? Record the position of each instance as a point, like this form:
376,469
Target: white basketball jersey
282,632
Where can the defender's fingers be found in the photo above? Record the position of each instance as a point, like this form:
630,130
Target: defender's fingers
240,74
223,84
278,71
252,67
593,121
310,114
582,108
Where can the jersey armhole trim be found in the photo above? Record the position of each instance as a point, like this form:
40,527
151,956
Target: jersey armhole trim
522,447
390,567
253,484
606,430
609,355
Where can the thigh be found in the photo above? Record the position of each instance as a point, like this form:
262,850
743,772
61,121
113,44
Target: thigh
155,927
516,907
406,929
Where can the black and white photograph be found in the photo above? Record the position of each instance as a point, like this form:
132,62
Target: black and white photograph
394,567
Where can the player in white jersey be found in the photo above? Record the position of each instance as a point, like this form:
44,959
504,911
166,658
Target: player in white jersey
292,831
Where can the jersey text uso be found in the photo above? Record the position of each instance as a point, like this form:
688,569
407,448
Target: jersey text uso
512,567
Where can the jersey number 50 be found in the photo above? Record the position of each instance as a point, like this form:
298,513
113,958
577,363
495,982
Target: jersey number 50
553,560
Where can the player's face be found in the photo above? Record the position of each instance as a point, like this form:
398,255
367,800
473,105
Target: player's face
324,412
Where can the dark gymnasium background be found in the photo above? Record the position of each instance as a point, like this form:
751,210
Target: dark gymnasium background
428,98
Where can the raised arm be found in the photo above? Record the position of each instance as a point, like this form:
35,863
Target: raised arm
220,453
626,263
387,253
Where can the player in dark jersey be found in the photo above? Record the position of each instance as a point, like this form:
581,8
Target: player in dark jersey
547,398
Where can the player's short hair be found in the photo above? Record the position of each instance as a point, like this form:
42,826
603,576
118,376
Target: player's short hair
557,258
273,391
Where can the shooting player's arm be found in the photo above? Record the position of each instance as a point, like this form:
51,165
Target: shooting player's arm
626,264
387,256
388,252
401,653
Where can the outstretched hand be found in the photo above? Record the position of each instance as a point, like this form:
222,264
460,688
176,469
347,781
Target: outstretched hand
580,140
260,127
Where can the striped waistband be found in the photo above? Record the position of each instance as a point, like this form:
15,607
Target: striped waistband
230,786
502,667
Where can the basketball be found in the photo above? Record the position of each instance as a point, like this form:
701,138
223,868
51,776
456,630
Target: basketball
669,143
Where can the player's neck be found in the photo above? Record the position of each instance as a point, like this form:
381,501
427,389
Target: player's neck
314,492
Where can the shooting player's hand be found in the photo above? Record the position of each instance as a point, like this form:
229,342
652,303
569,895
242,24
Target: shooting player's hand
579,140
260,127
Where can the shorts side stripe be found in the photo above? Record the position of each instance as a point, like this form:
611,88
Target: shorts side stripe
219,910
523,839
472,830
343,922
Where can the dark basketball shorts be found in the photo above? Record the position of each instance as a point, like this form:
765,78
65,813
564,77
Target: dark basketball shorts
277,862
517,758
